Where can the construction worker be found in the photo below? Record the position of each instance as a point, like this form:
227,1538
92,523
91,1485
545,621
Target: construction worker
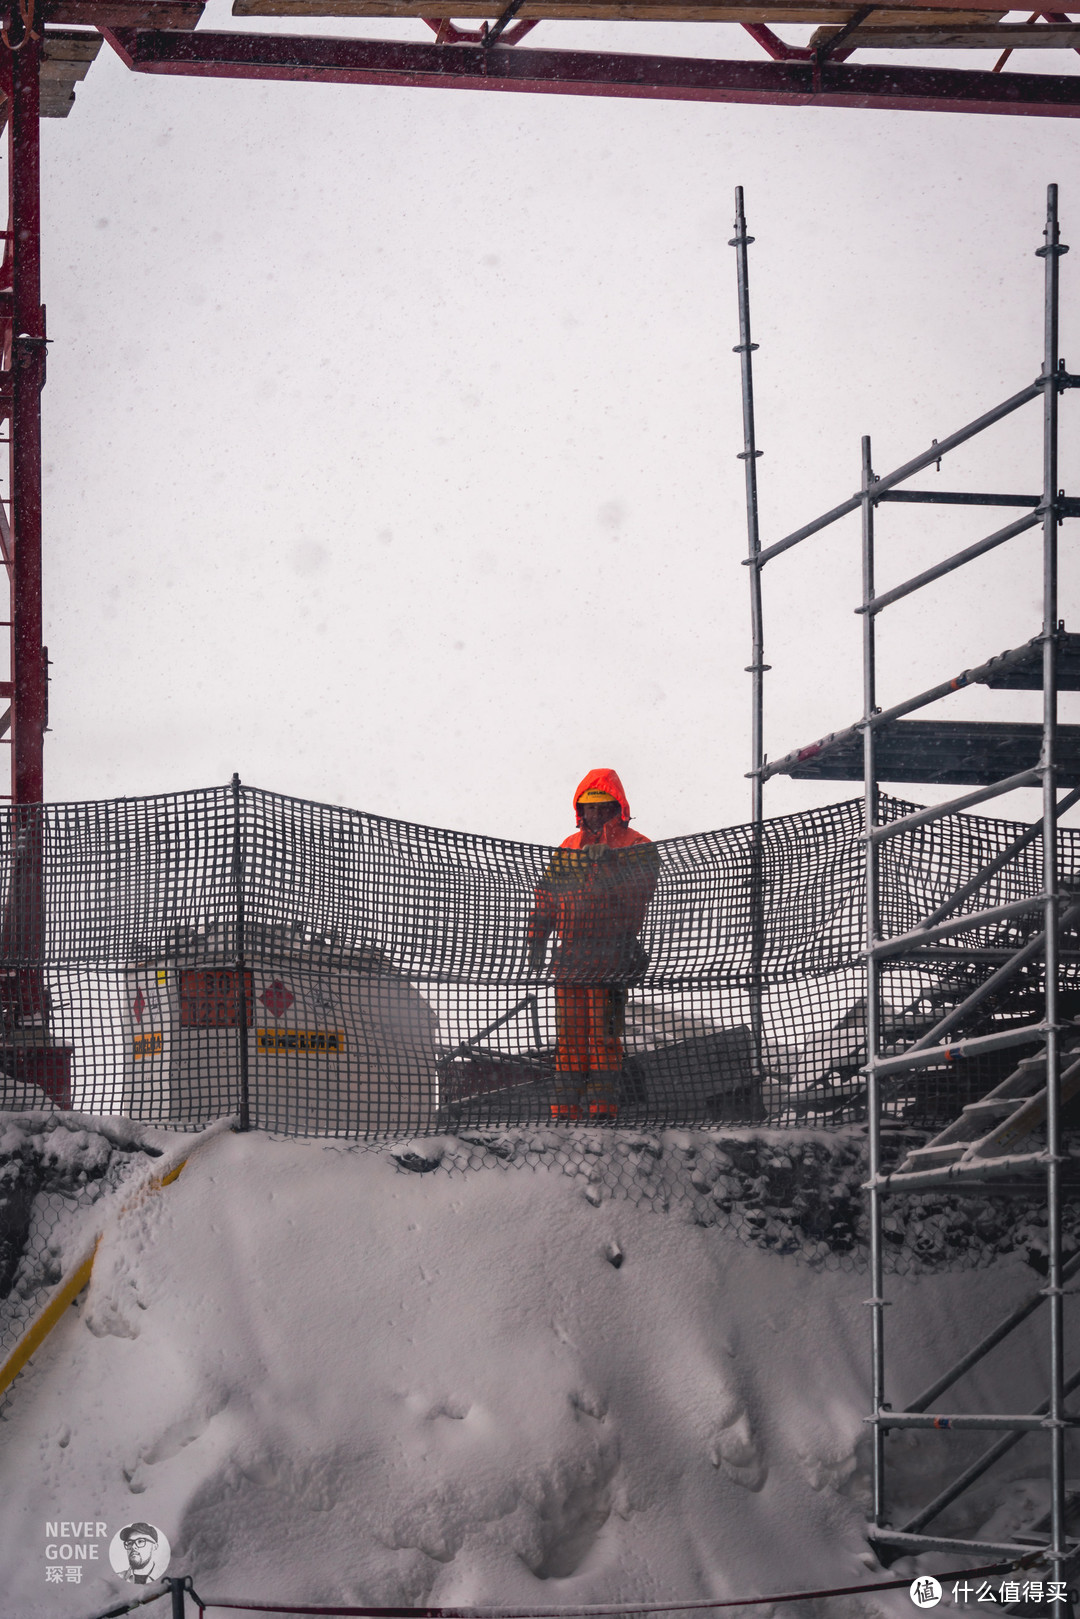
593,896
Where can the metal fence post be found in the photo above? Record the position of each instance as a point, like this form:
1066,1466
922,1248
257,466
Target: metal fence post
239,956
176,1590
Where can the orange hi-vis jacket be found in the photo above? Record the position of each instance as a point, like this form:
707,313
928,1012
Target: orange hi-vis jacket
594,895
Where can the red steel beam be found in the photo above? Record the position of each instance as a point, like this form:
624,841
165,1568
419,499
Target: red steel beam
22,989
300,58
20,389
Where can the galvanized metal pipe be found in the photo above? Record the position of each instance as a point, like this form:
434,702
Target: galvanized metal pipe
527,1003
873,989
1008,784
981,1172
965,1421
945,688
976,1470
968,923
956,497
976,1045
1001,975
757,666
1007,970
1067,505
1051,253
914,1544
991,1341
950,565
986,872
956,952
926,459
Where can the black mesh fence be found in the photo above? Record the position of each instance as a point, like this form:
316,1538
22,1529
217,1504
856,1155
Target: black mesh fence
177,958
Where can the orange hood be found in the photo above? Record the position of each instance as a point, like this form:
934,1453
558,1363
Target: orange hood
603,781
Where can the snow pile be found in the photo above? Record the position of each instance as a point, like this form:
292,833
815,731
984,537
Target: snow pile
330,1378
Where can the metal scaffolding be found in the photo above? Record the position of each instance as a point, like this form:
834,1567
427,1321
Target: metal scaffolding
1010,1138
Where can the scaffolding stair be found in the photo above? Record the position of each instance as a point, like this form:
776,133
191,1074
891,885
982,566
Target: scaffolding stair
967,1150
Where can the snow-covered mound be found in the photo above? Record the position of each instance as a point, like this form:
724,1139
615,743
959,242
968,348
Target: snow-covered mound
329,1378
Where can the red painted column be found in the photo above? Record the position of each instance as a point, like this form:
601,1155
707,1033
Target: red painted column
22,988
27,380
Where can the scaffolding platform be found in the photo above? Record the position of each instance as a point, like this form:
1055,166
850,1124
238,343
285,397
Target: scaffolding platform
1022,670
964,753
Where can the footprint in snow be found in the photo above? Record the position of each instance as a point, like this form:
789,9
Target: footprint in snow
733,1450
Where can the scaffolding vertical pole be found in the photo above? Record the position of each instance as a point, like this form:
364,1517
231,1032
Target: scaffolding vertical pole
1051,253
757,665
873,973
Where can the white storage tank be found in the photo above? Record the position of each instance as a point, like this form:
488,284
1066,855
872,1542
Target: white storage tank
339,1042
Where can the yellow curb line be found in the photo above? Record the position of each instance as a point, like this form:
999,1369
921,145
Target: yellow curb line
40,1328
69,1289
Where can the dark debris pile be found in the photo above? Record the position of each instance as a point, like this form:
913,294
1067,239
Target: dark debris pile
53,1167
793,1192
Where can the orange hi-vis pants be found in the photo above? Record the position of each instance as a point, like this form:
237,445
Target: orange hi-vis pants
589,1024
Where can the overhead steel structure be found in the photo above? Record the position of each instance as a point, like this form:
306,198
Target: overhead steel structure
48,45
1010,1139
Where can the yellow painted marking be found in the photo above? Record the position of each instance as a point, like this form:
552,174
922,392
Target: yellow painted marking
70,1288
46,1321
324,1042
149,1187
147,1045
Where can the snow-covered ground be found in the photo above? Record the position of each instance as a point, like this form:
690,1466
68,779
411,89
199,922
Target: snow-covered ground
330,1379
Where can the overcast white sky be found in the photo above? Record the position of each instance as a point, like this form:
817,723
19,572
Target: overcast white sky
390,434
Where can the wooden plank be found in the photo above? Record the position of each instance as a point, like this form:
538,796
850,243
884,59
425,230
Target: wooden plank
54,74
783,11
66,55
69,73
977,37
70,45
172,14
